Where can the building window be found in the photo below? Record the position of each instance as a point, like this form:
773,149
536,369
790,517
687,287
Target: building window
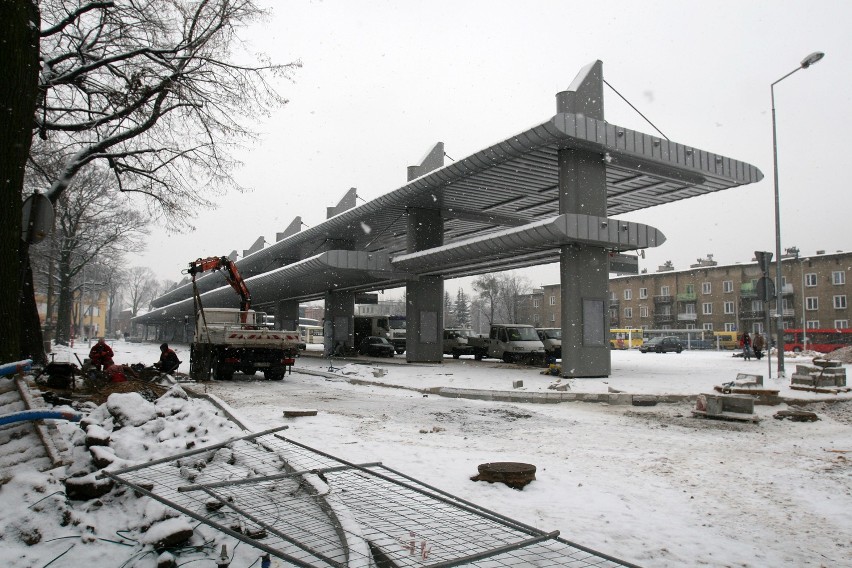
757,305
643,293
535,318
628,313
813,324
757,327
665,291
690,288
838,277
552,318
536,302
690,326
841,324
810,280
553,300
612,295
730,327
707,326
729,309
628,294
689,308
643,311
706,288
840,302
707,308
811,303
728,286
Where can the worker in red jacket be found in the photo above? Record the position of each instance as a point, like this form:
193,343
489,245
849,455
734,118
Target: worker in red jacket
100,354
169,361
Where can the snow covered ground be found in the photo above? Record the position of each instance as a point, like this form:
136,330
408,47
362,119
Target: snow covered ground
651,485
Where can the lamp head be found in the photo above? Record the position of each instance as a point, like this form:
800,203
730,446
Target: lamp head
812,58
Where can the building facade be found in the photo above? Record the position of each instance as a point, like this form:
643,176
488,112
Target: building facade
712,297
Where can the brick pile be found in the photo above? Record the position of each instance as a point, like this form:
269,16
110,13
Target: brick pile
822,373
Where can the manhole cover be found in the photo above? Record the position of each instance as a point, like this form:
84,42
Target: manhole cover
514,474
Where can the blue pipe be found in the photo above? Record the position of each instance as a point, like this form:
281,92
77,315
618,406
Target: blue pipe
25,415
12,368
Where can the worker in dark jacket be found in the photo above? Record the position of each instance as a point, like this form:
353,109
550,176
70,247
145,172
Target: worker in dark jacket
100,354
169,361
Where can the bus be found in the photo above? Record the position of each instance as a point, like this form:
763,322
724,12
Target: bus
822,340
311,334
626,338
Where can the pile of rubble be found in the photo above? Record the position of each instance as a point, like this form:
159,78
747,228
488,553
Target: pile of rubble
824,375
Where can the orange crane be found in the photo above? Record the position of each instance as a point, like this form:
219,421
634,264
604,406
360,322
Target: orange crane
232,275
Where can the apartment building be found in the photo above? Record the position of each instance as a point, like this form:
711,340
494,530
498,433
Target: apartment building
712,297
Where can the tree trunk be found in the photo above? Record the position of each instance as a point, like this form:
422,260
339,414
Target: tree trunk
64,309
32,344
19,28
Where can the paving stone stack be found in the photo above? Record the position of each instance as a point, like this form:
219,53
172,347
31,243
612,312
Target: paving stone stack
823,373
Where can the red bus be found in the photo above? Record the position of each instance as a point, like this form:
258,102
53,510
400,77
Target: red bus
822,340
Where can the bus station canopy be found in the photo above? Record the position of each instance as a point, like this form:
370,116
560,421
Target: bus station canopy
500,209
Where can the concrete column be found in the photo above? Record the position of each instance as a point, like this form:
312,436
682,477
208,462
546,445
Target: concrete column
584,270
287,315
339,326
424,311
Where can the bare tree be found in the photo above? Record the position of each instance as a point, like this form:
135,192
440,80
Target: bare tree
155,89
487,288
88,227
141,287
512,290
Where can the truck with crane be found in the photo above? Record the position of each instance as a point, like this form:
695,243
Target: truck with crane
229,340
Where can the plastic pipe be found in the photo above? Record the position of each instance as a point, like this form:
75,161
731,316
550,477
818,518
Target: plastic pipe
25,415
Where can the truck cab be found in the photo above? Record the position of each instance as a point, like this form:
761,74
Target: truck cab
510,342
551,337
456,342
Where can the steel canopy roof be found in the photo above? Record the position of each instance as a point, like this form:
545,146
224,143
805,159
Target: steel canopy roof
509,184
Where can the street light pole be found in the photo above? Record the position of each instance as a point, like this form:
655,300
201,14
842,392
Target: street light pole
779,309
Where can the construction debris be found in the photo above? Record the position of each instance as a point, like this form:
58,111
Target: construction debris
823,376
725,407
796,415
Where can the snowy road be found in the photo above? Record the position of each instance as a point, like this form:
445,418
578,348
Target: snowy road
650,485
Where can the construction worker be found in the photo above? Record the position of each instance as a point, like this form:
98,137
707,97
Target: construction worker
100,354
169,361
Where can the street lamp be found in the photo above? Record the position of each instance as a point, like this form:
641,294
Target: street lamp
779,311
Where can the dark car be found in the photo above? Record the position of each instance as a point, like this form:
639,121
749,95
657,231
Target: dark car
376,347
662,345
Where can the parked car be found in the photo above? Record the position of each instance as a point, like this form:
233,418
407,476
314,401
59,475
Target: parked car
376,347
662,345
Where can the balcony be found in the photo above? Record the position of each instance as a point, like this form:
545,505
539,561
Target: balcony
787,289
662,299
753,314
687,317
788,312
663,318
686,297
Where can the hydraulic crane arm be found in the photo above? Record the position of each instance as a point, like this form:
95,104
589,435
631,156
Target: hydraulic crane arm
232,275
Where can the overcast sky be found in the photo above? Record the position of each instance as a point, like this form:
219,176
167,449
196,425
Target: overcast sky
382,82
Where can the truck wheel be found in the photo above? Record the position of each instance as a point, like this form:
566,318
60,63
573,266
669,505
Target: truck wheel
456,354
223,373
477,356
400,351
508,358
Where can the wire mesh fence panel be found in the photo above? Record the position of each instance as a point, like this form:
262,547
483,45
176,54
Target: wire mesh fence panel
309,508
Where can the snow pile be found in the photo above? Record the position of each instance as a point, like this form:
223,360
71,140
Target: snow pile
72,514
844,355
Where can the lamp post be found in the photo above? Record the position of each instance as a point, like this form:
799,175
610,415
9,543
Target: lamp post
779,310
